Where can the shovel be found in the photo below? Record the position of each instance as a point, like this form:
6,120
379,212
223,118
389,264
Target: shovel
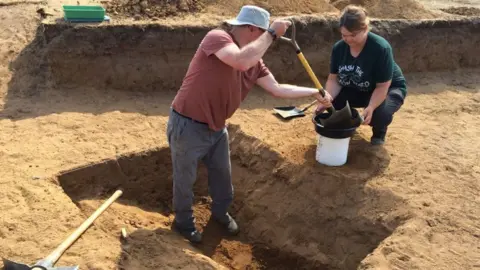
288,112
47,263
336,118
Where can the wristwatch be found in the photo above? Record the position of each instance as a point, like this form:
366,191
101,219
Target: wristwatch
272,32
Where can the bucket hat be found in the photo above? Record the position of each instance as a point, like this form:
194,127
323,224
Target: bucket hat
252,15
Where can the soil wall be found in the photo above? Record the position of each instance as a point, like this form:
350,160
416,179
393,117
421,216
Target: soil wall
152,56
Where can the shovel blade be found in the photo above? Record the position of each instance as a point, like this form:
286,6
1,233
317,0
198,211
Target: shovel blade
289,112
339,119
11,265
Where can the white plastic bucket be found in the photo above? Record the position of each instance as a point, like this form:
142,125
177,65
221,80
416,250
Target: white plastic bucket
332,152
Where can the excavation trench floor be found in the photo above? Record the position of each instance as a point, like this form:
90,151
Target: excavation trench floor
145,211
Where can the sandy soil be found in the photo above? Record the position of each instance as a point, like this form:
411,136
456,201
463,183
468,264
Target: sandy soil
458,7
439,4
156,9
412,204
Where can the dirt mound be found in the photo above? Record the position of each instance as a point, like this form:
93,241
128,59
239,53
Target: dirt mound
275,7
464,11
402,9
407,9
154,8
167,8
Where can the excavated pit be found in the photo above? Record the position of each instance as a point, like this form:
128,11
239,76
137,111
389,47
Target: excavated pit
292,216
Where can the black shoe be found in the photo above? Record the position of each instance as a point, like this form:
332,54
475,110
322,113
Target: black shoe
377,141
230,225
192,235
378,137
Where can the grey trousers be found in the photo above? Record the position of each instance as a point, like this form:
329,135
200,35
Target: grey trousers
191,142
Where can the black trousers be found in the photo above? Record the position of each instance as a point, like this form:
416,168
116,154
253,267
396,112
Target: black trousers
382,116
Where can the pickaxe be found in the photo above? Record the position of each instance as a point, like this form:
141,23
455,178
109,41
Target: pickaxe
50,260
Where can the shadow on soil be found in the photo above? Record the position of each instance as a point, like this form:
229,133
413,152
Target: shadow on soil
328,209
31,93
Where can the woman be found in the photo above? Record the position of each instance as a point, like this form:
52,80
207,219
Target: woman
363,71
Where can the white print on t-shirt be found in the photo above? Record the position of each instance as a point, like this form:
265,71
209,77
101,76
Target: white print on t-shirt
351,74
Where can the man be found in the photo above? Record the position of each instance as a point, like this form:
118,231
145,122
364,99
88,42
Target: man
222,72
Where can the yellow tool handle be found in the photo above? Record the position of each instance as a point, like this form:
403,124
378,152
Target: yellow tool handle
317,83
310,72
55,255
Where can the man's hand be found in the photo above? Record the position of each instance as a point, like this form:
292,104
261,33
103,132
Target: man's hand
367,115
325,102
280,26
327,99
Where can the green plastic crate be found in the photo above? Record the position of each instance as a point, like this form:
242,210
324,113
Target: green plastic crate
84,12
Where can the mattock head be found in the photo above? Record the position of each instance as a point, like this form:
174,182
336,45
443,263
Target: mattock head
10,265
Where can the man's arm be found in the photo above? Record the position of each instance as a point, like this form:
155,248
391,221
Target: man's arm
246,57
249,55
270,84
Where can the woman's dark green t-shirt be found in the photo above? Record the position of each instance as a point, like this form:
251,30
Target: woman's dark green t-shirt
374,64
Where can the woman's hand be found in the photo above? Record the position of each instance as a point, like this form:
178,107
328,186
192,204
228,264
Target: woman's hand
320,108
367,115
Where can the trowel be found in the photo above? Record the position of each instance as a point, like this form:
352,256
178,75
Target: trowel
337,119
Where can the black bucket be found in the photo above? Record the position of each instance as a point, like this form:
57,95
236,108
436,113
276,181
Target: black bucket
337,133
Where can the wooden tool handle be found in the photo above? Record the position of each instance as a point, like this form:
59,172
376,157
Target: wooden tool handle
309,105
55,255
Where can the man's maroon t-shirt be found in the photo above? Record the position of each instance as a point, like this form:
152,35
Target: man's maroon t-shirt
212,90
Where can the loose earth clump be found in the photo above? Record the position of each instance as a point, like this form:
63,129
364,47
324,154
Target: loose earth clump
154,8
